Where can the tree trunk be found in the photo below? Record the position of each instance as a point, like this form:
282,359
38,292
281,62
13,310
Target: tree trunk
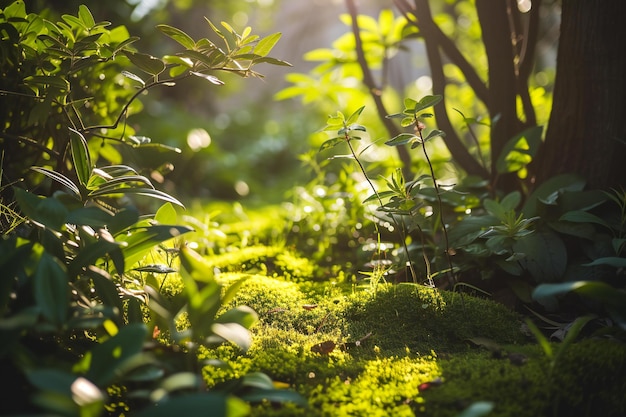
587,129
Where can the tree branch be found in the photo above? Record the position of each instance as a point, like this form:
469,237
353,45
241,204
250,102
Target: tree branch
375,91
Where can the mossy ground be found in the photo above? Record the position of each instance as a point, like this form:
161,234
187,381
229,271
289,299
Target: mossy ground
409,350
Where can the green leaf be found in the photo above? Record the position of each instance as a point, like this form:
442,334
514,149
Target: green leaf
177,35
242,315
613,261
166,214
210,78
86,16
546,255
331,143
579,216
402,139
196,266
197,404
89,254
612,299
426,102
433,134
355,116
148,192
140,241
519,150
108,357
265,45
51,289
60,178
233,332
48,211
134,77
550,190
80,156
146,63
89,216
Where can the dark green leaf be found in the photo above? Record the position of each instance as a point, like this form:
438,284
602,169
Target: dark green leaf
198,404
89,254
146,63
109,356
426,102
612,261
402,139
51,288
546,255
90,216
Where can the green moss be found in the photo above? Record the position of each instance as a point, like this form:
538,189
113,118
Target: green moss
411,336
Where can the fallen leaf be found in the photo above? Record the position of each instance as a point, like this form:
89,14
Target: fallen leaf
324,348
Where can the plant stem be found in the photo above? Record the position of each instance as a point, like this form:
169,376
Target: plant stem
395,222
451,277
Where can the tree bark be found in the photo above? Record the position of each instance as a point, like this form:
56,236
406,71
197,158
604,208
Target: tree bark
587,129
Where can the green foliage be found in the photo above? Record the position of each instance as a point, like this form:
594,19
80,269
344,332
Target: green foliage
79,322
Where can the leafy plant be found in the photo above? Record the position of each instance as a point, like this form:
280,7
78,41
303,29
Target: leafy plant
73,305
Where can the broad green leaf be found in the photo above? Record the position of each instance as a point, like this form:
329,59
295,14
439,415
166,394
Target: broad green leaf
146,63
550,190
106,289
242,315
89,254
265,45
426,102
234,333
109,356
519,150
613,261
181,381
52,292
196,266
511,200
48,211
166,214
612,299
80,156
257,395
546,255
177,35
233,289
139,242
196,404
579,216
86,16
89,216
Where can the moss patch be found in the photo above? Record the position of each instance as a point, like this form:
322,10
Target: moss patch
412,351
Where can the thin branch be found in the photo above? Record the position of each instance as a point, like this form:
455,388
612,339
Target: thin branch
430,30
